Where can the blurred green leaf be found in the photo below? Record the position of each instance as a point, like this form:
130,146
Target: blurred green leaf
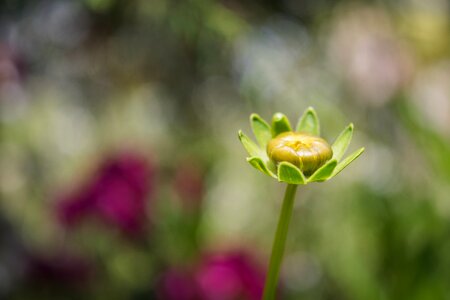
341,143
249,145
347,161
289,173
309,122
258,163
280,124
324,172
261,130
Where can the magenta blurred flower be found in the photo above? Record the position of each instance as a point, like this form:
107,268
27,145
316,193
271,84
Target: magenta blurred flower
230,276
116,195
178,284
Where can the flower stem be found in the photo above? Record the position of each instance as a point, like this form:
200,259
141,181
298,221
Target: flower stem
279,242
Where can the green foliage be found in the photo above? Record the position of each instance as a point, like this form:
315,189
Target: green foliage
249,145
280,124
261,129
259,164
324,172
309,122
344,163
341,143
289,173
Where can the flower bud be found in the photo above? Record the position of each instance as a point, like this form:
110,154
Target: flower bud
303,150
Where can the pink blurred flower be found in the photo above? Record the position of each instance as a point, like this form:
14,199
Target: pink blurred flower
116,195
230,276
178,284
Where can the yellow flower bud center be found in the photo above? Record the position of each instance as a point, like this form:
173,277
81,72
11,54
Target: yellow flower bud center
305,151
296,145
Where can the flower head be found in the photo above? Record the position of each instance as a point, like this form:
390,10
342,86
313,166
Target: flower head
300,156
303,150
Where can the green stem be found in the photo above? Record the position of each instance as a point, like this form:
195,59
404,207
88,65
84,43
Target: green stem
279,242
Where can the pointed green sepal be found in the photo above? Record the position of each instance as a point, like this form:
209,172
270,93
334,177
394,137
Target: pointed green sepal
261,130
289,173
259,164
341,166
309,122
324,172
280,124
341,143
249,145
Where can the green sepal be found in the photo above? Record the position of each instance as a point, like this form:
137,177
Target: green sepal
289,173
261,130
309,122
324,172
341,166
280,124
258,163
249,145
341,143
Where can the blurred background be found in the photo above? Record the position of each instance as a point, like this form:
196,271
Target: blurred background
122,177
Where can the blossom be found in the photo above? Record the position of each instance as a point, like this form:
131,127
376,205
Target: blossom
178,284
116,195
219,276
231,276
298,157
